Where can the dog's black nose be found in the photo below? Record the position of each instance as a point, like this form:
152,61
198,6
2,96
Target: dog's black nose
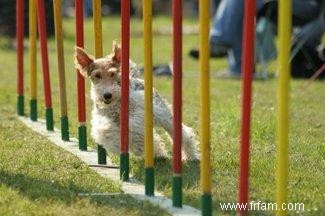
107,96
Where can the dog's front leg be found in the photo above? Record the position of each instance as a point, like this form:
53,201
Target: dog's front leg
136,133
109,139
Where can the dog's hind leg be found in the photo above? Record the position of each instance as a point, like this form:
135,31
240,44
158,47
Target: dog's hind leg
136,136
163,118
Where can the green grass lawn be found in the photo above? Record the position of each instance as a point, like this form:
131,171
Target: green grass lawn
38,178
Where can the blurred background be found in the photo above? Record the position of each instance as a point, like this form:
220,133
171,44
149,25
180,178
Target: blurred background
109,7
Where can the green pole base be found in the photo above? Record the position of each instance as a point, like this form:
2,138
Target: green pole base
33,109
177,191
206,200
20,105
101,153
49,118
82,133
124,166
149,181
65,128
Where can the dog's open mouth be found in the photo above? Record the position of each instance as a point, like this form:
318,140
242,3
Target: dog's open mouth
107,101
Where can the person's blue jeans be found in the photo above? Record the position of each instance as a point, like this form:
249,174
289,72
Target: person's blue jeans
227,30
88,8
228,26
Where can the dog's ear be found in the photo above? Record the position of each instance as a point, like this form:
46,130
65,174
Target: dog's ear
116,52
83,61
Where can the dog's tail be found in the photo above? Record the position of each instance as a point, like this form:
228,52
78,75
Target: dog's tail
163,118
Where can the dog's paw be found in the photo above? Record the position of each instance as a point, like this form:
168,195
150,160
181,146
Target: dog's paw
161,160
191,157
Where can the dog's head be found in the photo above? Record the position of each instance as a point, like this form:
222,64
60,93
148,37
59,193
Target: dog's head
104,74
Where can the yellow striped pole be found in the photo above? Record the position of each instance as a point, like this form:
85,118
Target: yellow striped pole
97,18
32,59
61,69
98,44
285,25
149,152
204,17
147,43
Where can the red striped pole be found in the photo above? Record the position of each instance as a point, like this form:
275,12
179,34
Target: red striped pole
124,116
20,55
177,103
45,63
82,130
247,71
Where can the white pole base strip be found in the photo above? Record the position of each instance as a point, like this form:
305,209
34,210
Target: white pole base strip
132,188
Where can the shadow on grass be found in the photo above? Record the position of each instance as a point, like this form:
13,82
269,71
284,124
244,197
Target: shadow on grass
39,189
163,172
190,178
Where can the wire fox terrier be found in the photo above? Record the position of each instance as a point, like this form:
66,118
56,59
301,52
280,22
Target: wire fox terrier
105,76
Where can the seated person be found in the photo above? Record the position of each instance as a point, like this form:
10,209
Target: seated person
226,32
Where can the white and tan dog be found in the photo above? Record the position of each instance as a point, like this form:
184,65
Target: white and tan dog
105,76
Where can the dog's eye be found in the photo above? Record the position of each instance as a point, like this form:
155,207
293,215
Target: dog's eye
98,76
111,74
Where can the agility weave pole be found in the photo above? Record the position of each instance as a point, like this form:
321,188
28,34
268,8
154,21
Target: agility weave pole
124,114
98,44
205,165
45,64
20,55
177,103
148,142
247,69
82,130
61,70
32,59
282,156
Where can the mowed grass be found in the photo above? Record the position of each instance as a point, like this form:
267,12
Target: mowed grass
38,178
